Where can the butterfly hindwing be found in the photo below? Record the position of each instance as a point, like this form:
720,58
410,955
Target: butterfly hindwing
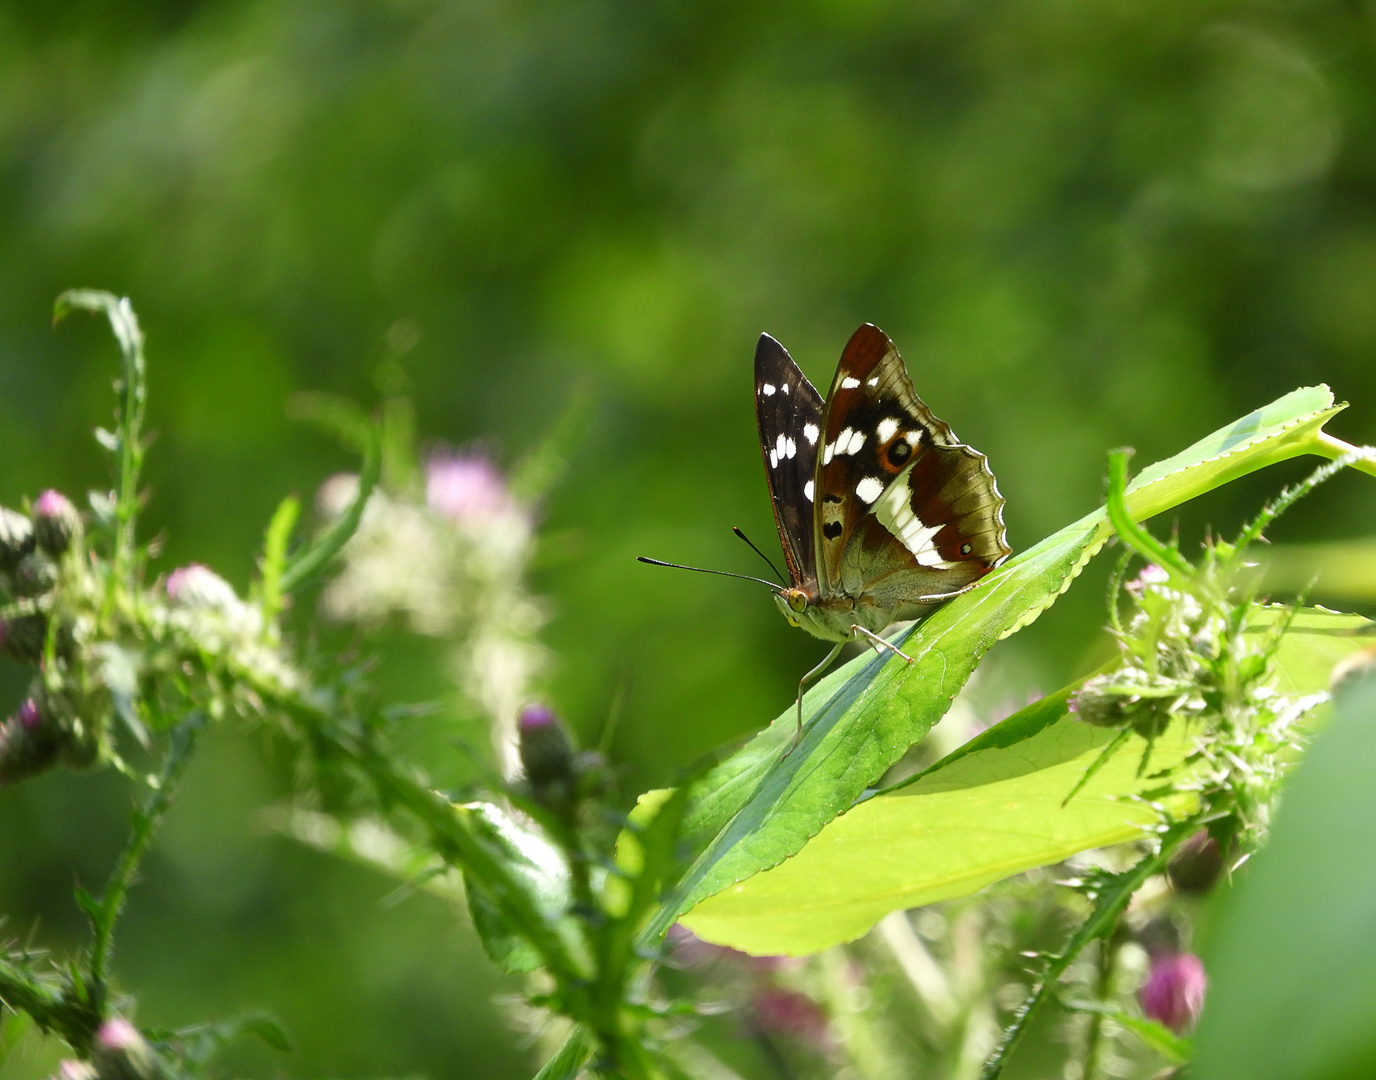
788,410
905,513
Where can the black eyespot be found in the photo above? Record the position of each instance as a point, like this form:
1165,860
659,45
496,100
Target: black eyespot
831,530
899,452
965,549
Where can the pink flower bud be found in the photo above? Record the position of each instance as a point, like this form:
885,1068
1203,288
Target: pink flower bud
1174,991
1151,575
546,753
465,487
71,1069
30,717
199,586
55,522
118,1034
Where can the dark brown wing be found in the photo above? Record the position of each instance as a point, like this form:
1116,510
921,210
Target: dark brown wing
908,514
788,410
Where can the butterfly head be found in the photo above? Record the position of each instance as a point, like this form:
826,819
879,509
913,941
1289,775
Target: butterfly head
792,602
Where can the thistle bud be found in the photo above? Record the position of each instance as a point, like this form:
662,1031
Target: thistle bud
197,586
1173,994
1196,866
546,753
34,575
28,745
24,636
121,1053
16,538
55,522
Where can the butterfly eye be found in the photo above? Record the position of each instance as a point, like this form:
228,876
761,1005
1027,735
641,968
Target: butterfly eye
899,452
797,600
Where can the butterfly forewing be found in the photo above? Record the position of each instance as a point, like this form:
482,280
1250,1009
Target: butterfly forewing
788,410
905,513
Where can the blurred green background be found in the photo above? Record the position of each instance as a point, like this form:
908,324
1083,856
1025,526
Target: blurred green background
1084,224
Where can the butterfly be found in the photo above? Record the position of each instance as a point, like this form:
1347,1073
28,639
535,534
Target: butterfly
882,512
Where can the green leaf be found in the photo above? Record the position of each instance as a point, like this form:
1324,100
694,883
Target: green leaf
1291,955
533,862
759,807
1159,1037
307,564
268,1029
275,555
990,809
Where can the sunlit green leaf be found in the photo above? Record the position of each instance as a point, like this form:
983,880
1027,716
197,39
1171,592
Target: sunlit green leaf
537,865
991,809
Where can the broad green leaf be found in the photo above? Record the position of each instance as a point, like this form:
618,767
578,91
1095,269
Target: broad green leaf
759,807
541,871
990,809
1291,953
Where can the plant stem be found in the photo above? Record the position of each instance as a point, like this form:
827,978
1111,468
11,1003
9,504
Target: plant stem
129,434
1330,446
1094,1037
1100,923
145,823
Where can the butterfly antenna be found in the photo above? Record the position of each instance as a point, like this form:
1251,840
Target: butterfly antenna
736,529
700,570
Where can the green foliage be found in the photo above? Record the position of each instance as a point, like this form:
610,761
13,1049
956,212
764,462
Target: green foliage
758,808
1292,973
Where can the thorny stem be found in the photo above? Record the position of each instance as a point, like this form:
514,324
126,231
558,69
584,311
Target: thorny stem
145,823
129,428
1110,905
1094,1037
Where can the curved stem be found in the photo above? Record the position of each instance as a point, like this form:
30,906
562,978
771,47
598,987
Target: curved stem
107,910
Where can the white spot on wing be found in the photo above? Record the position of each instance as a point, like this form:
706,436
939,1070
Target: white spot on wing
781,446
886,429
872,382
784,387
897,516
843,441
849,384
773,460
767,389
827,452
857,440
807,490
870,488
810,433
791,447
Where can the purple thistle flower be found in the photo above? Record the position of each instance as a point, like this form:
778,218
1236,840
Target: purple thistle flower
1174,991
789,1014
30,717
465,487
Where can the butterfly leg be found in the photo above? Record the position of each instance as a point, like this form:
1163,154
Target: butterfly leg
879,643
827,661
